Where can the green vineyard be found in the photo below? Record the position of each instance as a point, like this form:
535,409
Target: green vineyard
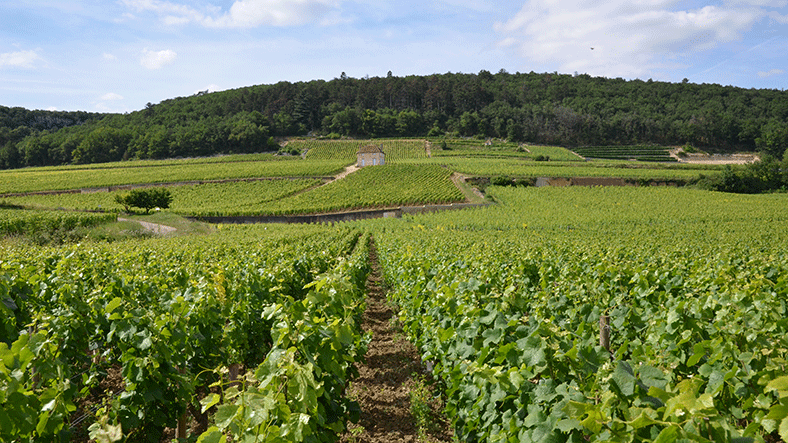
644,153
506,303
20,222
374,187
345,150
45,179
168,318
545,314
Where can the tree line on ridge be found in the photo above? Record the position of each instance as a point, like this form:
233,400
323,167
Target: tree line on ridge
547,108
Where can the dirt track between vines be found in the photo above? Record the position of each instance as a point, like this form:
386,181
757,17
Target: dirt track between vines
386,379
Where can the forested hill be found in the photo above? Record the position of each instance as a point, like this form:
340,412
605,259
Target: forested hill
538,108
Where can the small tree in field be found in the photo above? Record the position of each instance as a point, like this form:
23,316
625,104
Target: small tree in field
146,199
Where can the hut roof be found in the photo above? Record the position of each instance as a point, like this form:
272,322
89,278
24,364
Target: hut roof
370,149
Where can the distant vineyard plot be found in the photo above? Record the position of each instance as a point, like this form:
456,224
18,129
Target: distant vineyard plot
395,150
646,153
46,179
500,149
208,199
375,186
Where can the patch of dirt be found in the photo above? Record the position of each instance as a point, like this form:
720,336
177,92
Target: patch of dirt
391,371
348,170
153,228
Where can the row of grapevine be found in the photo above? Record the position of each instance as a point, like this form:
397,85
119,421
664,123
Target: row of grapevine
169,316
506,302
25,222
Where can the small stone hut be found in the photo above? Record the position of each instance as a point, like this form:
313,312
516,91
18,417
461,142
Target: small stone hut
370,155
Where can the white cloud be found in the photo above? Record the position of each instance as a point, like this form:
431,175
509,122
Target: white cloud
169,10
111,96
19,59
108,56
244,13
157,59
210,88
770,73
629,39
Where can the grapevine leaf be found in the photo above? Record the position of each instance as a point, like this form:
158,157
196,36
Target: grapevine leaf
225,415
533,354
777,412
667,435
783,430
716,380
50,405
651,376
624,379
212,435
210,401
567,424
112,305
779,384
642,421
695,358
515,378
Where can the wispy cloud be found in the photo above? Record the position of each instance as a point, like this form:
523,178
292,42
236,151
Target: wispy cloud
157,59
628,39
111,96
770,73
244,13
19,59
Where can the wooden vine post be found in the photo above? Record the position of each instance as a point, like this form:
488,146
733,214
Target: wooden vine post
233,370
604,331
180,430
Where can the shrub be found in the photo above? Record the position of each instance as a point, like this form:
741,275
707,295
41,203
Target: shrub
501,180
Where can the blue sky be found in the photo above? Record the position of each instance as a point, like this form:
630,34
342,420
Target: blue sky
118,55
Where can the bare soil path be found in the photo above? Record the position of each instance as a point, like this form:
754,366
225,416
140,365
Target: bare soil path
154,228
459,181
388,376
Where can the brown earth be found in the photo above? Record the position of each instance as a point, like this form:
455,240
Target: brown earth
392,370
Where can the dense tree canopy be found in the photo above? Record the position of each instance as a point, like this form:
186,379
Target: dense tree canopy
539,108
